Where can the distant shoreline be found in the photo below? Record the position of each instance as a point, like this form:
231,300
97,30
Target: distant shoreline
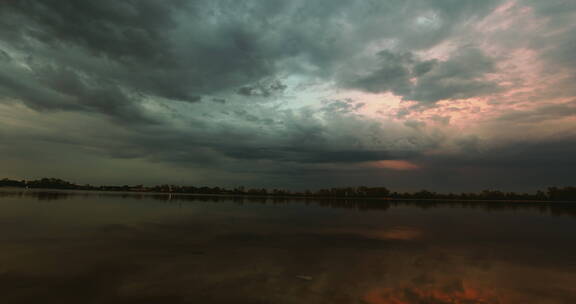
349,192
294,196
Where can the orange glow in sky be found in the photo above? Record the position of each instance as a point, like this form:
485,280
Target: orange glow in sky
401,165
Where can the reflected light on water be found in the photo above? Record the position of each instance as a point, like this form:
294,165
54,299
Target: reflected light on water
400,233
457,292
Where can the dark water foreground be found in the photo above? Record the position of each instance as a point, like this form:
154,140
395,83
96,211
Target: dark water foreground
59,247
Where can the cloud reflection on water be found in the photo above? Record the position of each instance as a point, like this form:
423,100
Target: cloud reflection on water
132,248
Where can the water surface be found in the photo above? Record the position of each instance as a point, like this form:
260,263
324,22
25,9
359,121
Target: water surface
90,247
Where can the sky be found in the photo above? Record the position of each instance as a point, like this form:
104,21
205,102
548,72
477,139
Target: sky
446,95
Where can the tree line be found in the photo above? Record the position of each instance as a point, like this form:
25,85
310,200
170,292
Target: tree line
550,194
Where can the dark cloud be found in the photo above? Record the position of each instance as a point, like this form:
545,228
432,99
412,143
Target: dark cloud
463,75
562,55
540,114
130,31
520,165
138,44
263,89
316,155
51,87
393,74
219,100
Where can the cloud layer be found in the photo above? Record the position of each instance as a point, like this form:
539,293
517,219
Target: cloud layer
294,94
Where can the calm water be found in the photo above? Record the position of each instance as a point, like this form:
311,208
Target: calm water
58,247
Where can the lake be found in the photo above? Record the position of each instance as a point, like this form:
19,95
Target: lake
90,247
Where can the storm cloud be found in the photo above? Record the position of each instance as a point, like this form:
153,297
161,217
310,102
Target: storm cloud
282,93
